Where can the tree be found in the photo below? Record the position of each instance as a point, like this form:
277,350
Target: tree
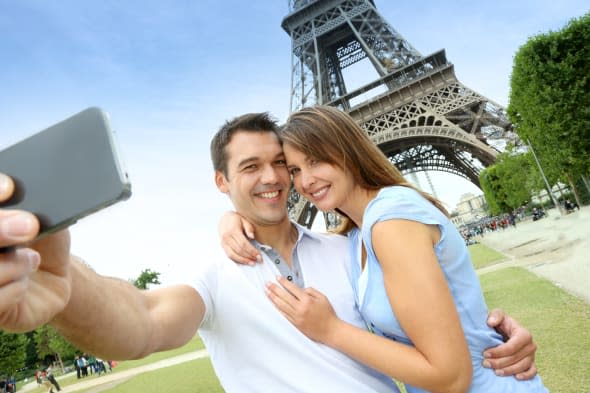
13,351
550,99
508,183
492,190
31,350
51,344
146,277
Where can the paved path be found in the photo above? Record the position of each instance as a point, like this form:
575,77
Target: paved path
555,247
96,384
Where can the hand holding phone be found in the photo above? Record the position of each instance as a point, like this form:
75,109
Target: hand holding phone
66,172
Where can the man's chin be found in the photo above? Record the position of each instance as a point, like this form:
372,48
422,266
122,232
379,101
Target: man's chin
272,219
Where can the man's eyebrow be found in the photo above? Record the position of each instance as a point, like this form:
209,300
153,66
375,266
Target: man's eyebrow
253,159
247,160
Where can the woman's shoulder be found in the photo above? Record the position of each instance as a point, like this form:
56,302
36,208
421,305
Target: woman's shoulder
397,198
398,202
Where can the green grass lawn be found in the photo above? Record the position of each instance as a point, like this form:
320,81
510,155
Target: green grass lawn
483,256
190,377
560,324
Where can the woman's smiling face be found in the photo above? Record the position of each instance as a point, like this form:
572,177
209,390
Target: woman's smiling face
325,185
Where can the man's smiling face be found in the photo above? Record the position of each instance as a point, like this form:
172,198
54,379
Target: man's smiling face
257,180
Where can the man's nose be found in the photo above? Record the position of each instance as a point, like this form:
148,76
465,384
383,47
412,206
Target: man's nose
269,175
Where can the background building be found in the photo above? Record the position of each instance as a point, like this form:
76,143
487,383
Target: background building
471,208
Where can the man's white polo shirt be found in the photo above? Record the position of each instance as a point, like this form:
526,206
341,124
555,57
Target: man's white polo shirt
253,348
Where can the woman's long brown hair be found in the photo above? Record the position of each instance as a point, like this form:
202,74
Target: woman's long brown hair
330,135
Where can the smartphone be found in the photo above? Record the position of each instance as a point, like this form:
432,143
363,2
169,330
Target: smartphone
66,171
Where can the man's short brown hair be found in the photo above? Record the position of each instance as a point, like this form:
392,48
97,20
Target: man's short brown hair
250,122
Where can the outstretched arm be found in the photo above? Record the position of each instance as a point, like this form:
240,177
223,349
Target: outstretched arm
127,323
42,283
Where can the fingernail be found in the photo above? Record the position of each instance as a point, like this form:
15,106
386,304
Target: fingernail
16,226
33,258
4,183
492,320
259,258
250,235
487,364
499,373
487,355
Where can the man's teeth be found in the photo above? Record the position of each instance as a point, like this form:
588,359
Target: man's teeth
269,195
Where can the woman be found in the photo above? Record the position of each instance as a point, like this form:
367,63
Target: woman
412,275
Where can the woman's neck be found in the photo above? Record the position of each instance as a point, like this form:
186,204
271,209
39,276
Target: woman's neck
357,202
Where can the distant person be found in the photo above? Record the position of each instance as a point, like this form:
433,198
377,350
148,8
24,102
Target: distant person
51,378
83,362
100,367
571,206
91,364
512,219
45,381
11,384
537,214
77,366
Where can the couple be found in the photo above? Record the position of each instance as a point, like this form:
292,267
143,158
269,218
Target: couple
253,347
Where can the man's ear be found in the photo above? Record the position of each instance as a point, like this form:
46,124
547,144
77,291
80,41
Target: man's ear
221,182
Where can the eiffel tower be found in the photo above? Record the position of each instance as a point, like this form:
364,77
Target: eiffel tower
417,111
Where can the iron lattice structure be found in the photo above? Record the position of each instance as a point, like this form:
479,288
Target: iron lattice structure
418,113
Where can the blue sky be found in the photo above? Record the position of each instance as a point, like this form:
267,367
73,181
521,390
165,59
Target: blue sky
169,73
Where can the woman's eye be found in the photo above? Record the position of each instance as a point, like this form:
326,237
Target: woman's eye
294,171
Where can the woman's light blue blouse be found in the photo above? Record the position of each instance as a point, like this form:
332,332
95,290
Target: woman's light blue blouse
399,202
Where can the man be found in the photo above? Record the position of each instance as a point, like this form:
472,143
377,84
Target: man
51,378
252,346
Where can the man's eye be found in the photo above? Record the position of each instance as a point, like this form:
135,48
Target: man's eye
250,167
281,162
